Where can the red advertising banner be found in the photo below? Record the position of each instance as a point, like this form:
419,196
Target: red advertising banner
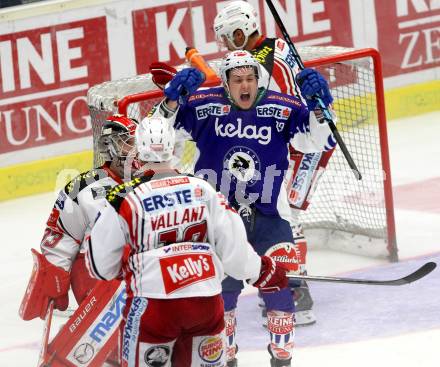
44,77
162,33
408,35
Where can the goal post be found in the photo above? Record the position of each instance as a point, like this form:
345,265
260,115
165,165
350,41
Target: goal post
345,214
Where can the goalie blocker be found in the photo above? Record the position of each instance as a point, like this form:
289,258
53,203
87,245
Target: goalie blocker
47,282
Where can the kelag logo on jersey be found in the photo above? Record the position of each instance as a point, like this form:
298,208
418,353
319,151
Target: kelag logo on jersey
274,110
215,109
263,134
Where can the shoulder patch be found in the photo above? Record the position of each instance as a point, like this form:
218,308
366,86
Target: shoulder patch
209,93
80,182
116,195
284,98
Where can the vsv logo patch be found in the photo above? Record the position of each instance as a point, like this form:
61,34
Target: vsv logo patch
180,271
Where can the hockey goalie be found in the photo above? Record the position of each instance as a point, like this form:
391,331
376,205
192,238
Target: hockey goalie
90,335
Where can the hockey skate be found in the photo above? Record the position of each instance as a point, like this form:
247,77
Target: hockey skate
303,306
274,362
233,362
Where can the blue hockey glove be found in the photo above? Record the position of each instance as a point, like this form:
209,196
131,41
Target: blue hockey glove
185,83
312,83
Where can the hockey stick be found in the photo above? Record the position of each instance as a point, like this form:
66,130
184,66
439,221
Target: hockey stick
416,275
43,359
327,116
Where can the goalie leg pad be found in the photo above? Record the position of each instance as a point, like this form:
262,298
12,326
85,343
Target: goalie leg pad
47,282
308,169
300,244
92,332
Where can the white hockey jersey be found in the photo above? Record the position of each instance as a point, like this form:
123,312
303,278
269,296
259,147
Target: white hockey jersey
73,215
173,236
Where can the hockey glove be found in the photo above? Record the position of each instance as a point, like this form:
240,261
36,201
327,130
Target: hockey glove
48,282
272,276
161,73
312,84
183,85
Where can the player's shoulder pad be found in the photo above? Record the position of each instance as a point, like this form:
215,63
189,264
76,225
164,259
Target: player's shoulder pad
204,95
153,110
282,98
80,182
116,195
264,50
281,45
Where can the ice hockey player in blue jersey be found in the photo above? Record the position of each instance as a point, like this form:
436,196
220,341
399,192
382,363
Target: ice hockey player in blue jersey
242,132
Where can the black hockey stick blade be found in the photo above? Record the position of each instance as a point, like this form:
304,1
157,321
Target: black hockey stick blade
416,275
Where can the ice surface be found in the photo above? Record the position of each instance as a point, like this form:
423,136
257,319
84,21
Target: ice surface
357,325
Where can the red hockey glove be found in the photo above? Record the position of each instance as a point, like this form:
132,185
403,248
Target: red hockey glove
272,276
161,73
47,282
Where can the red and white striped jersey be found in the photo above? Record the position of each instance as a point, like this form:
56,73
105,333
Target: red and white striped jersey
278,60
73,215
172,236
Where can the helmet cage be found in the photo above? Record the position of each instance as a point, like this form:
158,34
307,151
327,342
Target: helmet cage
117,138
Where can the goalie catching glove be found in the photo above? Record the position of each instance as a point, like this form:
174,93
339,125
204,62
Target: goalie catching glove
312,84
48,282
272,276
184,84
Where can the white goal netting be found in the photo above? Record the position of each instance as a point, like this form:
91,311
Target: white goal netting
345,214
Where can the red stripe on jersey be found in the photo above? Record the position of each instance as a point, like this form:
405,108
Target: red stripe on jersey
283,77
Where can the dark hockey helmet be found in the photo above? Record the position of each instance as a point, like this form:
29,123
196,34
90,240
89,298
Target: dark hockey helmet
117,139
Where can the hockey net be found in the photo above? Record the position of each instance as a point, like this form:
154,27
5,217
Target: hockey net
345,214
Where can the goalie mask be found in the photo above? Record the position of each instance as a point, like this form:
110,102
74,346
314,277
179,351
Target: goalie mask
155,139
236,15
117,138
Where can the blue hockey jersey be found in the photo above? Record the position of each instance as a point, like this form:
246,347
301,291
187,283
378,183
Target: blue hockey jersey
244,153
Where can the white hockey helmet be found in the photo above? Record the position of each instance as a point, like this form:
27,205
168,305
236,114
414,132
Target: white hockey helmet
117,138
155,139
236,15
238,59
